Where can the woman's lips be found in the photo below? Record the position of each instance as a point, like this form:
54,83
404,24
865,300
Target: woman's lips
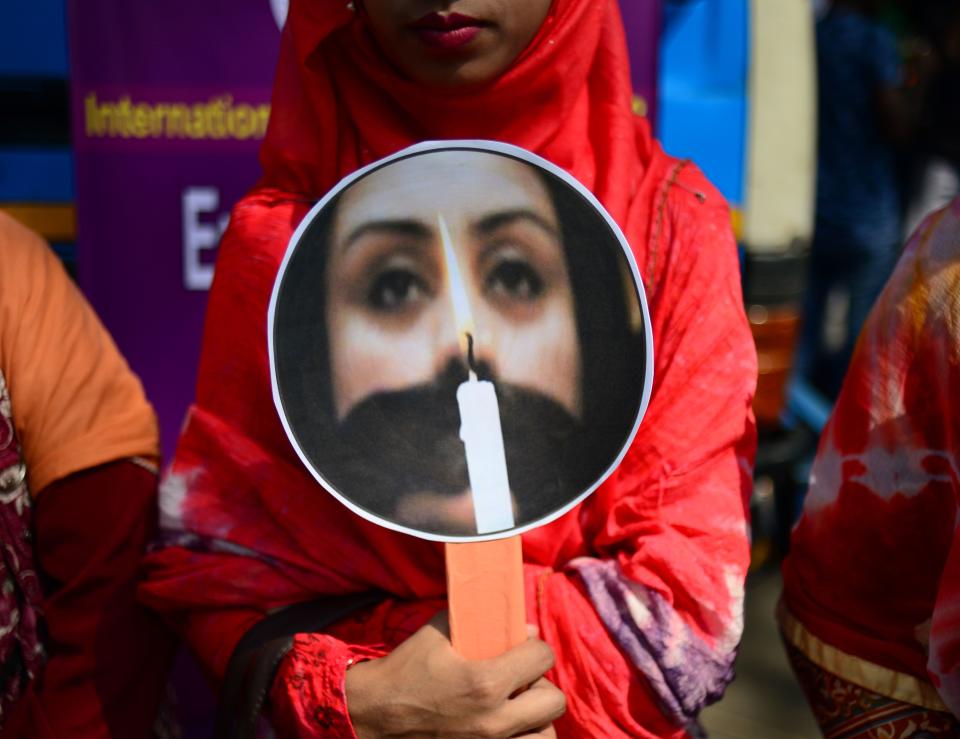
447,31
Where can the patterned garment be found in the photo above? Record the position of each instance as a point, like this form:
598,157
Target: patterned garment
847,711
21,651
857,185
872,584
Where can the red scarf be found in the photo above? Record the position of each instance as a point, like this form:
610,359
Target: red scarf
339,104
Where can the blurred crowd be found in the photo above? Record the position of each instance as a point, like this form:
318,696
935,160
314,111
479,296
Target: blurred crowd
889,154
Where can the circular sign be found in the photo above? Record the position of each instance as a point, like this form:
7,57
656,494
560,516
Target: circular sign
460,346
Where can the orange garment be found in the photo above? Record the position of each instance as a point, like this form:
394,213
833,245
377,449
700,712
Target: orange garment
76,403
95,668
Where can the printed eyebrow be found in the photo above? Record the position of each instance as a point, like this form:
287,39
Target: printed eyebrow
488,224
395,227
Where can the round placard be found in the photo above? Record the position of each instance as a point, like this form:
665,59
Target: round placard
460,346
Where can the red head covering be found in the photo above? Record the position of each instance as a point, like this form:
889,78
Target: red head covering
339,104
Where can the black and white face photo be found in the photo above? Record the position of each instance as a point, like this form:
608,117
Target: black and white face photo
459,270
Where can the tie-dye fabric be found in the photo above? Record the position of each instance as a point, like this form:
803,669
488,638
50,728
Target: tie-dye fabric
845,710
872,585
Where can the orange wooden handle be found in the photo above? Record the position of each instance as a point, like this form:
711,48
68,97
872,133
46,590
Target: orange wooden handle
486,597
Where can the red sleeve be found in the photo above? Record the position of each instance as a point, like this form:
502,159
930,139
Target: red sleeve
108,656
658,605
308,699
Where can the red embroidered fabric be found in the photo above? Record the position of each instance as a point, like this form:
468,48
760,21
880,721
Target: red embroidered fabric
638,590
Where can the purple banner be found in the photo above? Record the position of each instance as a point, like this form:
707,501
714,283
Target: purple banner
170,102
642,21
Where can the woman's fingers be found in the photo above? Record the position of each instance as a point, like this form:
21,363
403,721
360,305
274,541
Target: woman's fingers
522,665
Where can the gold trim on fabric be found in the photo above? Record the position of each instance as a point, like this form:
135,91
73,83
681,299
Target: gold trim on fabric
881,680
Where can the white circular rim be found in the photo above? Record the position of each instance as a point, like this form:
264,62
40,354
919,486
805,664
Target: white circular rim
495,147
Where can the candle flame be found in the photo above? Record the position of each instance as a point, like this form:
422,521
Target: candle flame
458,292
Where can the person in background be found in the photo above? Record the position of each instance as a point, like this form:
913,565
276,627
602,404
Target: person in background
78,464
638,591
935,155
871,603
865,112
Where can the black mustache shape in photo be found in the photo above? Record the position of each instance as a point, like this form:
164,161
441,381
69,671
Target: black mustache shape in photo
403,449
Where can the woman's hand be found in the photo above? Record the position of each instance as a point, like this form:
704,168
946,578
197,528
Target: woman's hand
425,689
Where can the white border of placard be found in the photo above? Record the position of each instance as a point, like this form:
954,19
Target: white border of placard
469,145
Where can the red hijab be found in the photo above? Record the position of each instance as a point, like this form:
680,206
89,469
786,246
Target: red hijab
339,104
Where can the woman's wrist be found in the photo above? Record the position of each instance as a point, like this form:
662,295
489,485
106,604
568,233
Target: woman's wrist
368,708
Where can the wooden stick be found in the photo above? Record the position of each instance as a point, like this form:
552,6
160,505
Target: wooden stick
486,597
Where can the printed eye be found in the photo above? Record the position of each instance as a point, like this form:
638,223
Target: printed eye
515,279
396,289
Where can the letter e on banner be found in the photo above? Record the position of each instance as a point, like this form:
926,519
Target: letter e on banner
199,236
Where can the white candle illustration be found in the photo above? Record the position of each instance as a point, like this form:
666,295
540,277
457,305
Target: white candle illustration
480,428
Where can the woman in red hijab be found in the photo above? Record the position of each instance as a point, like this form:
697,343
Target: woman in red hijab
638,591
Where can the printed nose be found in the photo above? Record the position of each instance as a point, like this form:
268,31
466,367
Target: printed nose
452,345
449,345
